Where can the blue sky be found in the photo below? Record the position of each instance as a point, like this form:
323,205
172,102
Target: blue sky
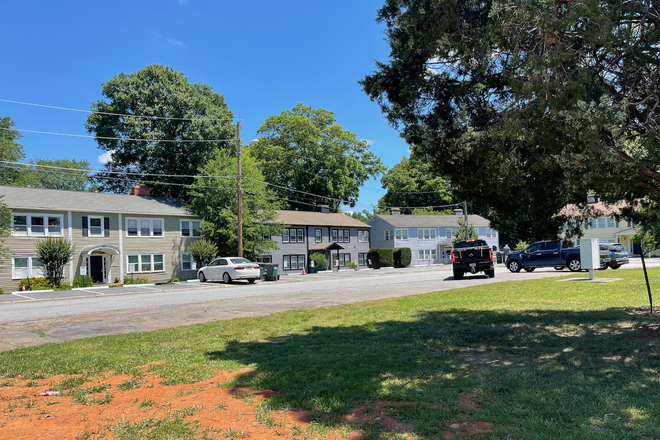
264,56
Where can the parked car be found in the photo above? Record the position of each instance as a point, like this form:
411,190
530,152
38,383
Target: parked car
618,255
472,256
228,269
544,254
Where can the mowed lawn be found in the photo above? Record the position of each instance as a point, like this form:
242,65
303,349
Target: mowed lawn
537,359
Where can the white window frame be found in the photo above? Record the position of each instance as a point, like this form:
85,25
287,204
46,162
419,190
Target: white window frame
401,233
423,233
139,263
389,234
363,236
139,221
192,262
340,235
449,232
288,260
297,237
362,259
426,255
28,225
491,233
601,223
191,228
89,226
34,272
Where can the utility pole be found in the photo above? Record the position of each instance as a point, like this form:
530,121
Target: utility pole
240,189
465,219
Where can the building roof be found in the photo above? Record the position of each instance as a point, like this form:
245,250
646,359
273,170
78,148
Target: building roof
307,218
593,210
326,247
25,199
431,221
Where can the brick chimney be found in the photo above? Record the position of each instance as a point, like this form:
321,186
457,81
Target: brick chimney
458,212
325,209
395,211
141,190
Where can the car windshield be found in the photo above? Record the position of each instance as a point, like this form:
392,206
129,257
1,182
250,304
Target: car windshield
467,244
239,261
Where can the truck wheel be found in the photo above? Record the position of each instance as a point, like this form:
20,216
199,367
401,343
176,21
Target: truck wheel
490,273
603,266
514,266
559,267
458,274
615,266
574,265
529,269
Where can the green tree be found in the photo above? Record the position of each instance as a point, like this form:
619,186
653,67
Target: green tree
46,174
203,251
10,151
54,253
413,183
460,235
168,127
304,151
214,198
523,105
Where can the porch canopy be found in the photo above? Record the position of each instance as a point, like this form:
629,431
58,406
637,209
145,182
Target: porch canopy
326,247
104,248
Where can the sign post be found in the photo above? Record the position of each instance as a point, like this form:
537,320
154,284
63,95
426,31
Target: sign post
83,272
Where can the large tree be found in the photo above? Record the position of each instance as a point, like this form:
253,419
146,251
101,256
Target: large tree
63,174
311,160
158,128
10,151
527,105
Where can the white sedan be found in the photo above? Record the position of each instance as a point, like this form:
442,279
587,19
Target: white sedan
228,269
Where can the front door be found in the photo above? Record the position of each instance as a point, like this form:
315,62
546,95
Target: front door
96,268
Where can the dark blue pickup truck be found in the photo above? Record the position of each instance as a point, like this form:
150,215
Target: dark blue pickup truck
544,254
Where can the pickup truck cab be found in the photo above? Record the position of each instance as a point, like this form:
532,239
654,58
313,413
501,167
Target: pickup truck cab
472,256
544,254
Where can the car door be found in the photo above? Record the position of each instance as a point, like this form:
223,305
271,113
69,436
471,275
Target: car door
211,270
532,254
550,254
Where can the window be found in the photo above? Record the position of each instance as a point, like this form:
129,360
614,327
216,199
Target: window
388,234
264,259
95,226
34,266
490,233
191,228
426,234
318,234
188,261
601,223
448,232
401,234
147,263
427,254
293,235
341,235
265,237
38,225
344,259
363,236
145,227
362,259
294,262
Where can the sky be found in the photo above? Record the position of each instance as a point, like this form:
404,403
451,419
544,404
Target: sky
264,56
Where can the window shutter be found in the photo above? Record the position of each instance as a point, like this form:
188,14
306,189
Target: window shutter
85,228
106,226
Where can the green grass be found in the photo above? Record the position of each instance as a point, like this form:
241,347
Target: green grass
543,359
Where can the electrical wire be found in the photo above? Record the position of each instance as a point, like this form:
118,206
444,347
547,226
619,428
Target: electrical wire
117,138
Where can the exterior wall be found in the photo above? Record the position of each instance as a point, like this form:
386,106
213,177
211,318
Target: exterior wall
612,235
378,227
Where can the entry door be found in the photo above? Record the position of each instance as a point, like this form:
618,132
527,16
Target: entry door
96,268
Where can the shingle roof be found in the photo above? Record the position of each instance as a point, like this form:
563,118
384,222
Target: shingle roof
17,198
305,218
431,221
593,210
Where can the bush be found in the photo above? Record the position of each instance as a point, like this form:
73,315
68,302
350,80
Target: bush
521,245
173,280
37,283
351,265
137,280
64,285
78,281
203,251
54,253
401,257
380,257
320,261
2,292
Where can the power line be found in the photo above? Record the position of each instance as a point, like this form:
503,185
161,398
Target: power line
117,138
116,114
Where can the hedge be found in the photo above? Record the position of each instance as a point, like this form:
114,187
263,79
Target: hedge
401,257
380,257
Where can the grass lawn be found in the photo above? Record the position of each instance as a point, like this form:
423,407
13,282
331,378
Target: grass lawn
537,359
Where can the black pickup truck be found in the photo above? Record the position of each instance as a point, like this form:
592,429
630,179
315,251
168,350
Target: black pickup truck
472,256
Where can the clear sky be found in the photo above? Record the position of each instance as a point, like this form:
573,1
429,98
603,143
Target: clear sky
264,56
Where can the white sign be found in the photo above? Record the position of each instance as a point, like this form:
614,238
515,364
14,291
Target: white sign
83,270
26,272
193,265
312,263
336,262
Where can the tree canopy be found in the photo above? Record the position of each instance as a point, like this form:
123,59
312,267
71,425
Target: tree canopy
75,177
159,129
10,151
527,106
304,152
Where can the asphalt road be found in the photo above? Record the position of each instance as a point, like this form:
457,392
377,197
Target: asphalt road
90,313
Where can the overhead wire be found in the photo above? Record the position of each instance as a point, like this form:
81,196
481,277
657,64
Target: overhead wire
118,138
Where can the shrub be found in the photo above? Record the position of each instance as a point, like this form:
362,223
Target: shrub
2,292
380,257
137,280
320,261
203,251
351,265
521,245
64,285
54,253
78,281
37,283
401,257
173,280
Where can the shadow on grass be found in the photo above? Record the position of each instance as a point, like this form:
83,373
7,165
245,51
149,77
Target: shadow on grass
540,374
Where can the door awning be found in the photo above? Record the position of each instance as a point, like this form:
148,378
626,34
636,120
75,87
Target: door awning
99,249
326,247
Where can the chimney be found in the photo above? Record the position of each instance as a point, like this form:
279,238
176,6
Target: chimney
141,190
395,211
325,209
458,212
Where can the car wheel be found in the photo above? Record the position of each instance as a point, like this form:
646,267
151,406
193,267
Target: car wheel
514,266
202,278
559,267
226,278
251,280
574,265
529,269
615,266
458,274
603,266
490,273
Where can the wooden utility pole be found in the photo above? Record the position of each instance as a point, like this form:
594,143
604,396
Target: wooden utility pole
465,218
240,190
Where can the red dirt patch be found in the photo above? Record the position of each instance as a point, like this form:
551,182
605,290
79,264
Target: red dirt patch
467,402
26,415
378,411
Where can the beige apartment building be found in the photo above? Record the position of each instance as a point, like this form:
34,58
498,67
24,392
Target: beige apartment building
115,235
